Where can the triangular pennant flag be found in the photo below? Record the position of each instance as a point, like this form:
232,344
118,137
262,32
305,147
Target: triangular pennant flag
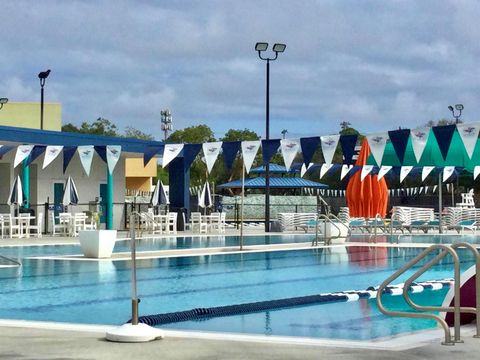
36,152
249,151
476,171
345,170
150,152
190,152
68,152
101,151
113,155
404,171
5,149
419,138
383,171
367,169
377,144
348,143
469,135
309,146
426,189
230,151
448,187
447,172
426,171
290,148
269,148
420,190
304,169
415,190
324,169
434,188
329,145
171,152
444,135
85,152
211,151
22,152
51,153
399,139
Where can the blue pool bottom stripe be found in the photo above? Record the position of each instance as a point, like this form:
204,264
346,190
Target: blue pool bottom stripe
229,310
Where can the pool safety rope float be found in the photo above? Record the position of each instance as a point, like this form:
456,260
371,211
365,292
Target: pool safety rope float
229,310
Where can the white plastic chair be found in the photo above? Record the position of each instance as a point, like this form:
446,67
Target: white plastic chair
38,227
171,227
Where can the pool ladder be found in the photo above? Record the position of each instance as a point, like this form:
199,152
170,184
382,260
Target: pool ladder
16,262
456,309
327,218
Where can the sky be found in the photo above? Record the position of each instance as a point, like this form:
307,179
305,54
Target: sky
379,65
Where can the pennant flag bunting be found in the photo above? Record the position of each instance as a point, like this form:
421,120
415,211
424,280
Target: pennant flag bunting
290,148
469,135
383,171
68,152
404,171
419,141
304,169
377,144
348,143
22,152
211,151
434,188
190,152
36,152
367,169
345,170
113,155
249,151
269,148
426,189
150,152
230,150
426,171
444,135
324,169
399,139
447,172
476,171
51,153
309,146
329,145
170,152
85,152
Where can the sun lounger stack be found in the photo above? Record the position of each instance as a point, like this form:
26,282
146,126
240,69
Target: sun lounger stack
412,218
295,221
462,218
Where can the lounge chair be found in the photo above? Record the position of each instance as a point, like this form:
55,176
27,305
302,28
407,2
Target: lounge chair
465,224
418,225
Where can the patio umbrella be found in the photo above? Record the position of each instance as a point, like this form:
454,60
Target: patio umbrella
205,199
70,193
16,194
159,196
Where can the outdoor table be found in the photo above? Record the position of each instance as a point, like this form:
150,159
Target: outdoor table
23,222
161,222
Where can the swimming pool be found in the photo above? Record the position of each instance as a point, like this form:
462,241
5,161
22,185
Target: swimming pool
99,292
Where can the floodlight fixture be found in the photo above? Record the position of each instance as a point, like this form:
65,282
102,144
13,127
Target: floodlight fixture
261,46
459,107
450,107
3,101
279,48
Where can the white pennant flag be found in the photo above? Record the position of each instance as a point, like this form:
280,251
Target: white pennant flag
366,169
211,151
404,171
469,135
249,151
329,145
383,171
324,169
171,152
86,156
22,153
290,149
51,153
420,190
345,170
415,190
426,171
426,189
113,155
448,187
304,169
419,141
476,171
434,188
447,172
377,144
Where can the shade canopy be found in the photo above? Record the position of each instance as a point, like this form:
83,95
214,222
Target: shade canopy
70,193
159,196
16,193
205,199
276,169
275,183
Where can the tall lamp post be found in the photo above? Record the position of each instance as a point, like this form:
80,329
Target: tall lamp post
284,133
277,48
166,122
42,76
3,101
459,108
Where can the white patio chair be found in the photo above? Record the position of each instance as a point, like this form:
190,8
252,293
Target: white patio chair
196,223
171,227
37,228
14,227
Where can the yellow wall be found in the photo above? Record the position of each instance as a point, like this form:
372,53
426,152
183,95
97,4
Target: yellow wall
134,168
138,183
27,115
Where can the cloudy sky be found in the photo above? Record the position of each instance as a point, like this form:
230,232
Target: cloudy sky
376,64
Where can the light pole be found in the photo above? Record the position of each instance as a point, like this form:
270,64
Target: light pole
284,132
3,101
42,76
458,107
166,122
277,48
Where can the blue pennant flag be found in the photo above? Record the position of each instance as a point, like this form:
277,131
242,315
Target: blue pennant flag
5,149
190,152
230,151
151,151
269,148
101,151
309,146
348,143
444,135
36,152
399,139
68,152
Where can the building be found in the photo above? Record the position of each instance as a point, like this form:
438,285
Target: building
27,115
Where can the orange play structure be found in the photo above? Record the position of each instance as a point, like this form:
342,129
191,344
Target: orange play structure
369,197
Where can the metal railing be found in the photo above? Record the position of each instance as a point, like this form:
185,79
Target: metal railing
327,219
456,309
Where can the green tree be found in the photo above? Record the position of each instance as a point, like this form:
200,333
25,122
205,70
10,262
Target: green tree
101,126
131,132
193,135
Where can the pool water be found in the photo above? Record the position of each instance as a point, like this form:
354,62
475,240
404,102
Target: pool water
99,292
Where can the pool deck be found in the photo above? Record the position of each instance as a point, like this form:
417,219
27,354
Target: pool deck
37,340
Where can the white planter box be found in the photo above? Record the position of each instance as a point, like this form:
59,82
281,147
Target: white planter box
97,243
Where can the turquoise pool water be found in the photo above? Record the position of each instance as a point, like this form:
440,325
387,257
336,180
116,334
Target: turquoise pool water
99,293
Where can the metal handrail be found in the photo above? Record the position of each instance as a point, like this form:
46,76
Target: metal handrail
16,262
326,218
